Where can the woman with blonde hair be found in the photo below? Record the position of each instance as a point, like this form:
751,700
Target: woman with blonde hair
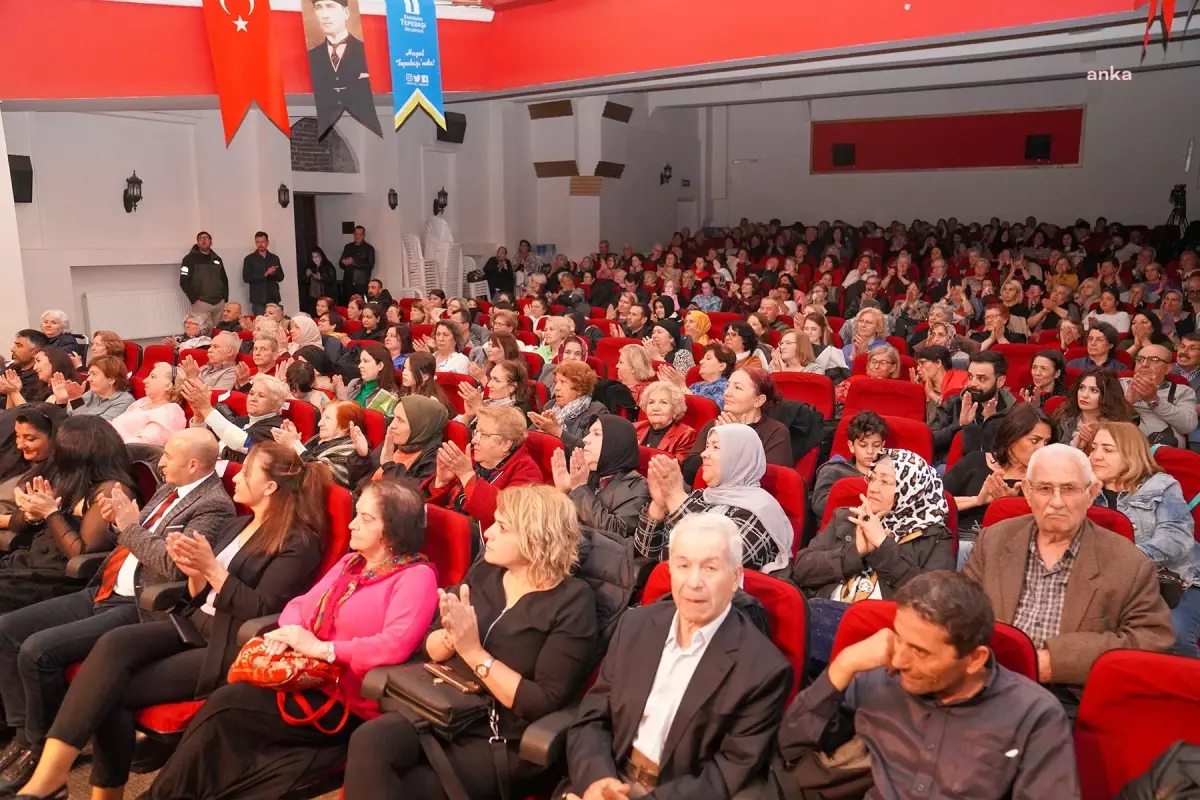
794,354
523,625
635,369
882,362
157,416
1135,485
870,331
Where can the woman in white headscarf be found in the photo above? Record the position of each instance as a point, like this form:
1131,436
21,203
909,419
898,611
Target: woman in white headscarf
868,551
304,333
733,464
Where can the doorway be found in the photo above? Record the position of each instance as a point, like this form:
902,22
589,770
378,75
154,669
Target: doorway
304,210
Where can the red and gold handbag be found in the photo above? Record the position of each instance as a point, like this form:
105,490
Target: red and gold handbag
290,673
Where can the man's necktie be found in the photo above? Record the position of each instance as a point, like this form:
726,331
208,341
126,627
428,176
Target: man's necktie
112,567
334,58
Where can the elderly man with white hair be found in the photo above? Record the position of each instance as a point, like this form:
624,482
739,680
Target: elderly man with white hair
237,435
56,326
690,696
1076,589
220,372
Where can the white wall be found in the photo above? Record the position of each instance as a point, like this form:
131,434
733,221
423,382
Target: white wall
191,182
13,316
1135,137
638,209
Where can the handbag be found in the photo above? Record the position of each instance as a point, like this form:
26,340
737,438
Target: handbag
431,697
290,673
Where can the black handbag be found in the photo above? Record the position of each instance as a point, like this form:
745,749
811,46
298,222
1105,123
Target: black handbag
440,710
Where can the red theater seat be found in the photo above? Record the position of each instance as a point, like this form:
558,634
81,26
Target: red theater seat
448,543
647,453
449,382
700,410
304,416
133,356
609,350
154,354
541,447
787,612
786,486
862,620
895,398
1135,705
533,364
1183,466
859,366
458,433
806,387
197,354
903,434
376,427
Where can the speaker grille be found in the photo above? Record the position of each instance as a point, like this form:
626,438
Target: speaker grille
843,155
1037,146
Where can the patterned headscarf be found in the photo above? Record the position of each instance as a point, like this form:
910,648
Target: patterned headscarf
920,499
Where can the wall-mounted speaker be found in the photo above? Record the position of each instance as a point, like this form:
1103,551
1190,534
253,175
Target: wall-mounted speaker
843,155
1037,146
21,170
456,128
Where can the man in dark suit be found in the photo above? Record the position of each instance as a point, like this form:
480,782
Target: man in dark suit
338,67
691,694
38,642
262,272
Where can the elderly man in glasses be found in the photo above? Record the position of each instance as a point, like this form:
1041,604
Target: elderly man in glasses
1166,410
1076,589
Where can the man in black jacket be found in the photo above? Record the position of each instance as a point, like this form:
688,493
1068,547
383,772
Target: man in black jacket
202,278
987,401
690,695
338,68
358,260
378,295
262,272
26,345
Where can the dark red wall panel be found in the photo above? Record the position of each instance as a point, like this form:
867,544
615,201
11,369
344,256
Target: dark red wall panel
948,142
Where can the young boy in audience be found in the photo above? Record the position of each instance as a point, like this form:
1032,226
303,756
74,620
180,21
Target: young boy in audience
866,436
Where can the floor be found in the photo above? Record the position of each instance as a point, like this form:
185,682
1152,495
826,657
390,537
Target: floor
80,790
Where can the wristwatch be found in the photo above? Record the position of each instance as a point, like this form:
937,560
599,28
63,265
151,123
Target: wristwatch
485,667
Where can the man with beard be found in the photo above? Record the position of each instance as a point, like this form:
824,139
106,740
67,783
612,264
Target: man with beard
942,716
975,412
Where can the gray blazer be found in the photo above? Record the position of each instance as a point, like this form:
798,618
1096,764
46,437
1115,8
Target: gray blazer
206,509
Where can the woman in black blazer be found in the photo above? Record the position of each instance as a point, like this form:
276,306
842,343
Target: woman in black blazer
257,565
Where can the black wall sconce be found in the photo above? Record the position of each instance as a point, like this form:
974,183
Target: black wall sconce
664,177
441,201
393,199
285,196
133,192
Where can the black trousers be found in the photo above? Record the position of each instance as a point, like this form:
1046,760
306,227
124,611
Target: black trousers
239,746
386,761
130,668
38,643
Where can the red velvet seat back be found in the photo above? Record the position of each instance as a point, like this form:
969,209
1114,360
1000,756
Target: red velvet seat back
1009,507
1135,705
448,540
541,447
896,398
449,382
304,416
699,411
903,434
1183,466
805,387
154,354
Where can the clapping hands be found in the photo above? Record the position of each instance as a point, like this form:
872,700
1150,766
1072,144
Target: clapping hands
37,500
568,478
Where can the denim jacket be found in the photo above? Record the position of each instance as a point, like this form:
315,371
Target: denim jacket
1162,525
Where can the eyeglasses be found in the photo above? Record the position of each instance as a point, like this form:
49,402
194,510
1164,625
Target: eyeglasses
1067,491
1152,360
880,362
882,481
478,434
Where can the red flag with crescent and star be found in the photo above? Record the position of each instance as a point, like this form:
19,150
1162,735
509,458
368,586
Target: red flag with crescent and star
247,68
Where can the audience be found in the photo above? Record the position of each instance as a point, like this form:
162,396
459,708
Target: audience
157,416
56,327
603,479
419,378
107,395
1094,398
628,740
1132,483
635,370
25,454
39,641
220,372
933,671
47,362
375,388
868,551
1102,339
1025,566
372,608
1047,374
661,427
411,446
750,398
237,434
975,413
716,366
571,411
866,436
59,513
253,566
194,334
104,343
339,444
1166,410
733,468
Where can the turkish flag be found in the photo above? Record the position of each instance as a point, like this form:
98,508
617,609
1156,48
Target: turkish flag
244,58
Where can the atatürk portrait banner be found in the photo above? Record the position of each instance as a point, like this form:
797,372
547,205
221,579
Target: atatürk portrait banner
337,63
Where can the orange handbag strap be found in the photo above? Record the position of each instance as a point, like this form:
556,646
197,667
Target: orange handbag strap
312,717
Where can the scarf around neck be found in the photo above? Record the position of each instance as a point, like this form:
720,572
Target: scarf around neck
354,575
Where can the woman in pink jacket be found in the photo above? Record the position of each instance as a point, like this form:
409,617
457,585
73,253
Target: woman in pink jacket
373,608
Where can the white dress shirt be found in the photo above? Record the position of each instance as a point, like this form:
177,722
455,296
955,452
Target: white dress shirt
124,586
224,558
675,670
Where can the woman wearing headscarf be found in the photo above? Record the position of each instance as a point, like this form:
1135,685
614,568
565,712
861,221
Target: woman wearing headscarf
410,448
733,467
603,479
573,348
697,325
666,344
867,552
304,333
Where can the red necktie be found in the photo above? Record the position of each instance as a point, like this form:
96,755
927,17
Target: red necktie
112,567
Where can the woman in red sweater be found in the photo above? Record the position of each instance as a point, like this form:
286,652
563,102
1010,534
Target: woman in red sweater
372,608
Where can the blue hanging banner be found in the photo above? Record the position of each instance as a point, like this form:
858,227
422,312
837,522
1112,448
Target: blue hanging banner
416,66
